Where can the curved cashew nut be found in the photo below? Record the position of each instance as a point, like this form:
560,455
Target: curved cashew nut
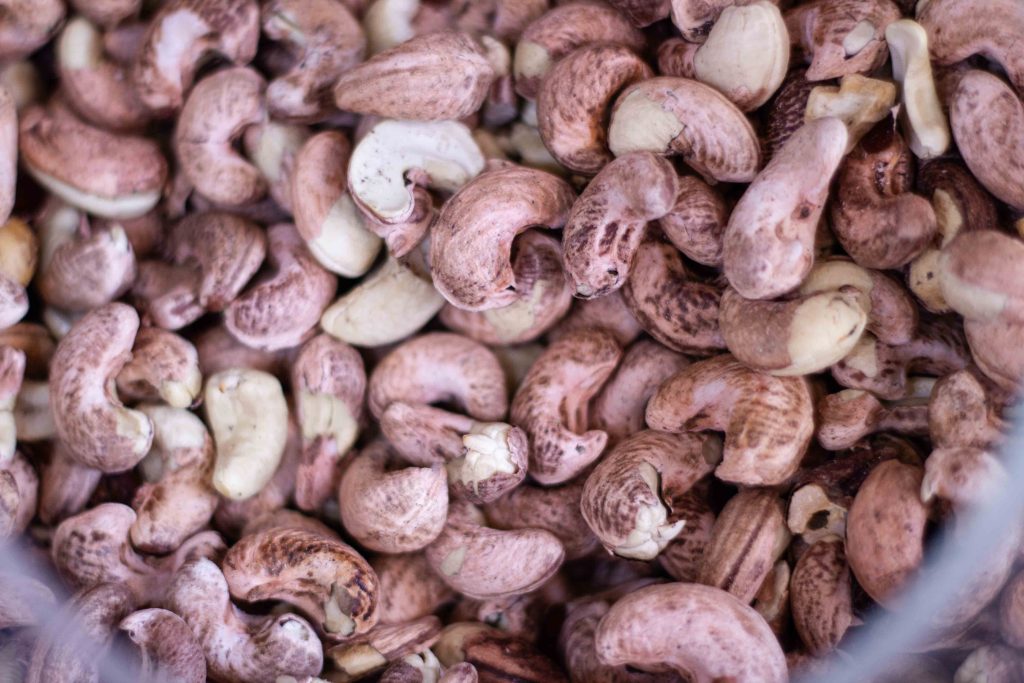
325,215
65,486
440,154
272,147
163,366
485,563
670,303
324,40
24,601
89,418
492,462
609,313
609,220
980,272
107,174
19,491
739,646
323,577
552,404
168,648
820,595
392,510
628,498
240,647
409,588
471,243
696,222
216,112
921,113
552,508
451,70
842,36
768,421
859,102
961,413
768,247
280,310
995,350
851,414
181,35
384,644
656,115
683,556
696,18
177,499
94,547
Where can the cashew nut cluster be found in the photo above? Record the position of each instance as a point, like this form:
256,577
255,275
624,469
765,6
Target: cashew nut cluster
443,341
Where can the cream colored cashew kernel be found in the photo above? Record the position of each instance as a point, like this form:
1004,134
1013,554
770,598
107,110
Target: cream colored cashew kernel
859,102
924,121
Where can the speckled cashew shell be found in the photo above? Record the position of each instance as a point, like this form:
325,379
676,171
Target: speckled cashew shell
842,36
696,222
553,508
169,649
820,595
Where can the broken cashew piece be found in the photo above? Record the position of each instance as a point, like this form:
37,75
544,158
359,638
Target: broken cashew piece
924,121
858,101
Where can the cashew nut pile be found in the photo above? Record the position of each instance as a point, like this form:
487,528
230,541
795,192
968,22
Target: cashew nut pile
437,341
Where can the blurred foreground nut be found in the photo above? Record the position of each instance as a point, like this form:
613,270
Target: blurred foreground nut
27,25
323,577
168,648
19,486
496,655
409,588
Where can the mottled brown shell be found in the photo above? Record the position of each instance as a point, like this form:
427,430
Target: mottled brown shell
819,592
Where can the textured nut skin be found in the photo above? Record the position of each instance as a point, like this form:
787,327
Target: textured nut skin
555,509
64,485
987,118
496,655
748,537
409,588
574,98
639,630
978,274
661,115
384,644
849,415
695,18
169,649
471,242
576,640
609,313
609,220
786,112
768,247
164,367
696,222
423,435
552,404
823,27
995,351
820,595
19,491
28,25
885,529
642,12
321,576
670,303
962,413
768,421
561,30
434,77
684,554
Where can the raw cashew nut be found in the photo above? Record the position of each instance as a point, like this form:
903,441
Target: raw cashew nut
728,640
272,147
65,486
495,652
980,275
19,492
768,421
12,375
696,222
89,418
164,367
27,25
841,37
924,121
169,649
107,12
384,644
609,313
409,588
820,595
859,102
851,414
248,416
323,577
962,413
553,508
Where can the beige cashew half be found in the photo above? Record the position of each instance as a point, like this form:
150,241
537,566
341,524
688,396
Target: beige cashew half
921,112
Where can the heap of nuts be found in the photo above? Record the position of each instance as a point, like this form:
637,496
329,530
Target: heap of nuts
503,340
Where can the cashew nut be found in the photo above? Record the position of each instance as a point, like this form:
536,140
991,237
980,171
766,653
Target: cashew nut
924,121
168,648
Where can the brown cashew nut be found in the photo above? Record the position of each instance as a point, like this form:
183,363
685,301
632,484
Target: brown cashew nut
107,12
876,218
658,114
841,37
561,30
768,247
168,648
820,595
106,174
178,39
574,99
65,486
19,492
609,220
684,554
392,510
735,645
90,420
979,274
552,404
553,508
849,415
384,644
240,647
176,499
670,303
283,518
495,655
324,40
961,412
450,69
696,222
164,367
280,309
609,313
619,409
471,242
94,547
409,588
768,421
642,12
544,296
28,25
628,498
787,111
483,563
216,112
995,351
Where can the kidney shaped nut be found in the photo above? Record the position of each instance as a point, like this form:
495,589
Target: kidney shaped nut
819,593
392,510
384,644
661,115
980,272
438,76
106,174
168,649
851,414
628,498
495,654
324,40
553,508
609,220
325,578
768,421
995,351
248,416
471,242
89,418
409,588
696,223
552,404
176,499
181,35
987,119
768,247
858,101
164,367
842,37
727,639
280,309
921,113
240,647
216,113
28,25
561,30
394,157
961,412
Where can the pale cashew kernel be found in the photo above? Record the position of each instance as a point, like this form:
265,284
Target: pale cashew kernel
925,122
858,101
